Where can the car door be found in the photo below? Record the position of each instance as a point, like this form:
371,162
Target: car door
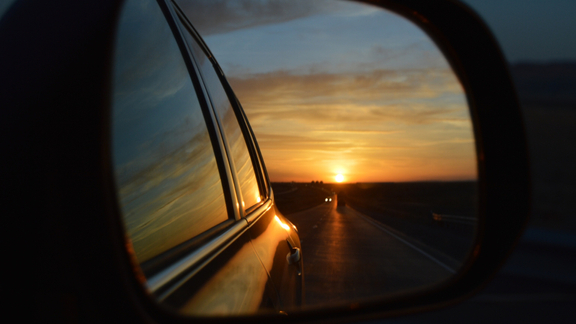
276,243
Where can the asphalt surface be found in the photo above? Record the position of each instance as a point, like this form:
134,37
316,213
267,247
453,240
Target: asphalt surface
348,257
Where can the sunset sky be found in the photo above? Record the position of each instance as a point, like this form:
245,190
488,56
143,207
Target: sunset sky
341,88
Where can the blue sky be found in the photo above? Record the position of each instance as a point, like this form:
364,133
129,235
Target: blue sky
334,38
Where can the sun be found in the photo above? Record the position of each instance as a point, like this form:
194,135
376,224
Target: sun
339,178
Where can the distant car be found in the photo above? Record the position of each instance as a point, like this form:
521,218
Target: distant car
329,199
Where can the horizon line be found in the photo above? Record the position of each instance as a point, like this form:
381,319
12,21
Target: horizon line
350,182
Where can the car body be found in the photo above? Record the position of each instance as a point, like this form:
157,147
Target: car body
192,185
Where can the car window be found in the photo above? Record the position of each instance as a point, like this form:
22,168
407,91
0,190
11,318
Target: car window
229,122
166,173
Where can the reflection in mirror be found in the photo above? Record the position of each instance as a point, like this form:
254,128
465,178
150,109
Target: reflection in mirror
366,135
364,130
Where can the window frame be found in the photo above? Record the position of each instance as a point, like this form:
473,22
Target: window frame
249,138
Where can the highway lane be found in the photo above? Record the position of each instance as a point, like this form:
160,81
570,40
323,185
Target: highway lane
347,257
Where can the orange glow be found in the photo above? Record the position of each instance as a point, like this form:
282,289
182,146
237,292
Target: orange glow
284,226
362,111
407,137
339,178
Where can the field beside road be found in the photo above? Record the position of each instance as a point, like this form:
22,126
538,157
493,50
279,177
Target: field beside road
410,208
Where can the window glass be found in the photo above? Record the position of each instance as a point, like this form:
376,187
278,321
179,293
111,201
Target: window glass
232,130
165,170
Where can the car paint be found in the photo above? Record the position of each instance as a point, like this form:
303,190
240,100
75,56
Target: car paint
274,238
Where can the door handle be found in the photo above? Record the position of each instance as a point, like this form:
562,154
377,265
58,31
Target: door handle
293,256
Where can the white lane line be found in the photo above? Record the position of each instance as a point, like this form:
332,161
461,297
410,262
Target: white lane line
380,226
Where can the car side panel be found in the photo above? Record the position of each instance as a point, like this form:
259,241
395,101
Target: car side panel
273,242
233,283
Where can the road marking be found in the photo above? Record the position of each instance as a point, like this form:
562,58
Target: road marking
381,227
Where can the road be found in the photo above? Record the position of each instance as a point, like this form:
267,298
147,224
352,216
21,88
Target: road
536,285
348,257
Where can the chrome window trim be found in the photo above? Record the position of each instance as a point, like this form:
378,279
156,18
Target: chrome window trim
253,148
168,280
222,143
183,22
255,154
261,210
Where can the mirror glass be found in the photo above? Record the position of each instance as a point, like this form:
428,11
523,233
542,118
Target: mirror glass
364,130
357,105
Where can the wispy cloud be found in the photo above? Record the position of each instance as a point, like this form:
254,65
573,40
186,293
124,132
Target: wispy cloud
221,16
388,125
354,132
408,96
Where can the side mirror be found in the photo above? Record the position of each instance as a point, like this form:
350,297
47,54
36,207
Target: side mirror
63,152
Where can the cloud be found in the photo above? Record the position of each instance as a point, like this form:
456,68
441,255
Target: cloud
382,125
221,16
416,96
354,132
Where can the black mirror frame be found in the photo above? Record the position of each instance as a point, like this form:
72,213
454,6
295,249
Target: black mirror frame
56,73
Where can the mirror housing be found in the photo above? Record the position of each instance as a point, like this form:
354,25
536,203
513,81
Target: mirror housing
59,193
